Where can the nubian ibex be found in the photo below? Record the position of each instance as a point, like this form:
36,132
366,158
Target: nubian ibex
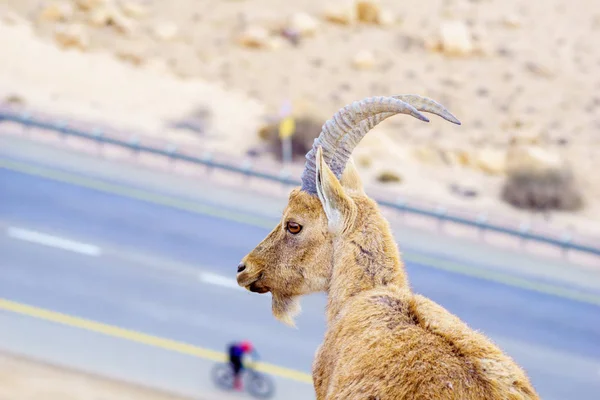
383,341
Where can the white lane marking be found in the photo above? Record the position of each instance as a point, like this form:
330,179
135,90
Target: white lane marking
53,241
219,280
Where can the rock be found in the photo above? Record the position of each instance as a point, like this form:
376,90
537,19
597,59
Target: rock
491,161
456,38
539,70
10,18
364,160
99,18
427,155
532,158
465,158
389,177
458,157
368,11
255,152
88,5
275,42
463,190
256,37
166,31
197,121
129,57
433,45
291,35
364,59
483,46
303,106
596,22
134,9
511,21
130,54
341,12
110,15
526,137
56,12
304,24
386,18
71,36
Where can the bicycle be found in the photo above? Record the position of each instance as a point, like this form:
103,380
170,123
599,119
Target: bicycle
256,384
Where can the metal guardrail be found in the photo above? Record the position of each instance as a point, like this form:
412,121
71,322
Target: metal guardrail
524,231
170,151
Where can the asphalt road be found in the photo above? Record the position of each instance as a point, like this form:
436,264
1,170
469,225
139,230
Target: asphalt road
99,254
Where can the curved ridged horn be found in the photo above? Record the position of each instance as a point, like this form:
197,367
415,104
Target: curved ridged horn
342,133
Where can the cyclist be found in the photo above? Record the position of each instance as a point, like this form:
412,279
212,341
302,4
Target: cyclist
237,350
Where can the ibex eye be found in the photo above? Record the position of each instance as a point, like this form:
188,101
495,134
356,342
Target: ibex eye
293,227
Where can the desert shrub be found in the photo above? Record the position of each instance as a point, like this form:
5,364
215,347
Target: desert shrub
542,191
389,177
307,129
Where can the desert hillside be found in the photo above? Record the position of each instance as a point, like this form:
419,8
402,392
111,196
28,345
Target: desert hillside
516,73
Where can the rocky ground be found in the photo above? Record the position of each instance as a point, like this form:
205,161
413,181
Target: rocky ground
515,73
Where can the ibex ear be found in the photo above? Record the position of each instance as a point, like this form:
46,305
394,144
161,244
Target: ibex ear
337,205
350,179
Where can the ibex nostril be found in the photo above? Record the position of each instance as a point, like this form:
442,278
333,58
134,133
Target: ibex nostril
241,267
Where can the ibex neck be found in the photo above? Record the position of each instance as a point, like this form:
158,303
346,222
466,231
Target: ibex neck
364,259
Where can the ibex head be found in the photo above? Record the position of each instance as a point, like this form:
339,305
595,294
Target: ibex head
296,258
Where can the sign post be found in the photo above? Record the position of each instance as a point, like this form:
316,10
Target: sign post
287,128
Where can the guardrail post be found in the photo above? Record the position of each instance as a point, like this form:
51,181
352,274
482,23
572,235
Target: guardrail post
284,176
61,126
25,119
566,238
441,215
98,134
482,224
134,142
247,168
524,233
207,160
400,204
171,150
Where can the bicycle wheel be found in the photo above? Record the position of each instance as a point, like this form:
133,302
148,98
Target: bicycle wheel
222,375
259,385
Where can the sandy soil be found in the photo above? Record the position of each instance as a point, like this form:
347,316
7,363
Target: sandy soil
24,379
533,74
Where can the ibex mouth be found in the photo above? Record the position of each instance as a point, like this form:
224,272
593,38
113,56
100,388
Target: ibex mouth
257,287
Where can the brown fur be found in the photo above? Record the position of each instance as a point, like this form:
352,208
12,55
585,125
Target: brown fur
382,341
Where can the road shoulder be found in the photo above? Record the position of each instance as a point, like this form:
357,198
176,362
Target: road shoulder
26,378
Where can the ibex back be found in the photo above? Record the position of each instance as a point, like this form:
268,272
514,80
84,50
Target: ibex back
382,340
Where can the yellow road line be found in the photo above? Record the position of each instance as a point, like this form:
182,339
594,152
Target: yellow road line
143,338
194,207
